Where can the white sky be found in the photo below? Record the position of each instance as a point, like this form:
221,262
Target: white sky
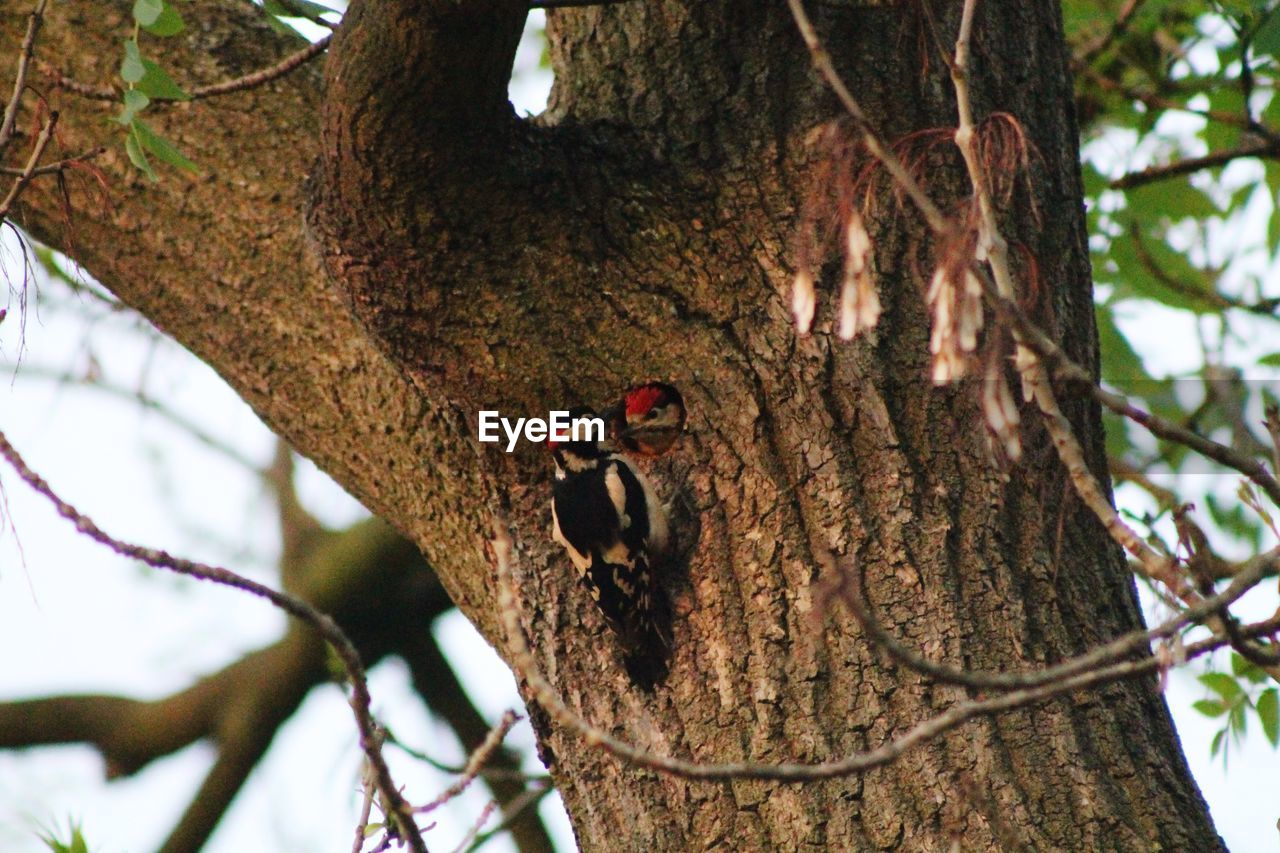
74,618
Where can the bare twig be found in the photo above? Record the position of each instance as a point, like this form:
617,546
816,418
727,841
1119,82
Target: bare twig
526,667
485,814
10,118
1156,101
1122,469
370,743
486,773
85,90
298,12
366,807
60,165
479,758
993,248
513,810
238,84
266,75
1245,578
37,151
1211,296
150,404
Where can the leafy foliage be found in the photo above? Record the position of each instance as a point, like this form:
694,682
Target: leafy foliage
1232,697
1181,172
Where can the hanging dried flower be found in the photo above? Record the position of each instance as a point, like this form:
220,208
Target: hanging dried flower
803,301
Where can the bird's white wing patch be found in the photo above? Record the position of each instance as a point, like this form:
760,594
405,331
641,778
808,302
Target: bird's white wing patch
618,494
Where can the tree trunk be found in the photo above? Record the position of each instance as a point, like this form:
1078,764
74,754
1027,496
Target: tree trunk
644,228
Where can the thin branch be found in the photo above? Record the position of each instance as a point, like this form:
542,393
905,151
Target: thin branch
479,758
20,81
513,811
526,667
1064,368
485,814
266,75
993,248
1118,27
1245,578
150,404
1152,174
85,90
1122,469
238,84
400,810
1156,101
486,773
58,166
366,808
879,149
37,151
1266,307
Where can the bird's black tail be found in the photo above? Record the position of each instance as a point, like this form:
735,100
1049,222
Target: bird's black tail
637,610
646,646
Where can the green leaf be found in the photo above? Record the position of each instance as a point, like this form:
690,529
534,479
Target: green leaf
169,23
164,150
1216,744
147,12
157,83
1174,199
1238,721
1243,668
1271,360
1210,707
134,102
136,155
1268,707
131,68
1121,364
1222,684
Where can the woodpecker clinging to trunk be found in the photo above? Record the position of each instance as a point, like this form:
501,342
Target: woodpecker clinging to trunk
606,515
647,420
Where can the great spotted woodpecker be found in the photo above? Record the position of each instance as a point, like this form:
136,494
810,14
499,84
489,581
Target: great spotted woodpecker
608,518
647,420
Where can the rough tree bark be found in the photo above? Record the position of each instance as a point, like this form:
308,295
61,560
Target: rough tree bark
642,228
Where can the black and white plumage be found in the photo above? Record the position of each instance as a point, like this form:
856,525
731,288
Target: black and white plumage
608,518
